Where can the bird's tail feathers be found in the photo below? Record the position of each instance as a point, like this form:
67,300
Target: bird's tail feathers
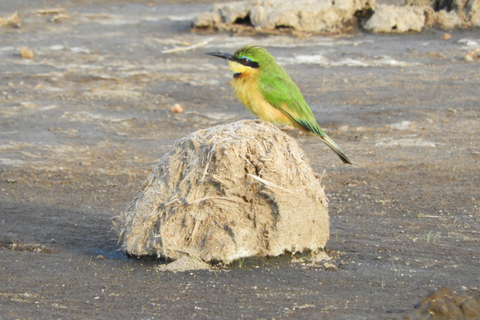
315,128
329,142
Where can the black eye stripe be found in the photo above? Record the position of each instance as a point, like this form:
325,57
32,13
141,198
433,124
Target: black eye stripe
248,63
253,64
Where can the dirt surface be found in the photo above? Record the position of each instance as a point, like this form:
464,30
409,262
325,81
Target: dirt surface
84,122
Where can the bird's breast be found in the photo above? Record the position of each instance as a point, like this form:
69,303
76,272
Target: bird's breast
247,89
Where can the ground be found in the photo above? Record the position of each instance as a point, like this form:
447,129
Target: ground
84,122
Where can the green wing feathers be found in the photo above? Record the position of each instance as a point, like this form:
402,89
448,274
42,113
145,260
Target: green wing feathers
278,89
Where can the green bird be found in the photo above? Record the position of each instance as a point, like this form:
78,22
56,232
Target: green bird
269,93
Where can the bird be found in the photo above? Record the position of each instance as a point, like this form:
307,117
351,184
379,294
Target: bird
269,93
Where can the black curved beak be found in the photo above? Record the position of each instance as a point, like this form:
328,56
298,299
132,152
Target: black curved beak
226,56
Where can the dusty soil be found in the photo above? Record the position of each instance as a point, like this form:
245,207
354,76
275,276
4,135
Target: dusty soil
84,122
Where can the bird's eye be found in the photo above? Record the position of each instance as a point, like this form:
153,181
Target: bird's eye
247,62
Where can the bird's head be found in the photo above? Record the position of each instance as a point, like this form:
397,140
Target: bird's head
246,60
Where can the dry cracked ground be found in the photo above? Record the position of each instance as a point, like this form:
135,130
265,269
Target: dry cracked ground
85,121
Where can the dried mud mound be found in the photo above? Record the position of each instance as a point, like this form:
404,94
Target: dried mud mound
237,190
445,304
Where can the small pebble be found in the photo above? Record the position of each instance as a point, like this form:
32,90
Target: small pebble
26,53
177,108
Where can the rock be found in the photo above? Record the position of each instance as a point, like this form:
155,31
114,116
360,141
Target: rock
223,14
258,16
473,12
26,53
206,20
388,18
315,16
448,20
450,14
231,11
302,15
176,108
446,36
445,304
443,19
238,190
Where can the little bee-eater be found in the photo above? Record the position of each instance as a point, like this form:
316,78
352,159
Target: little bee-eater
267,91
